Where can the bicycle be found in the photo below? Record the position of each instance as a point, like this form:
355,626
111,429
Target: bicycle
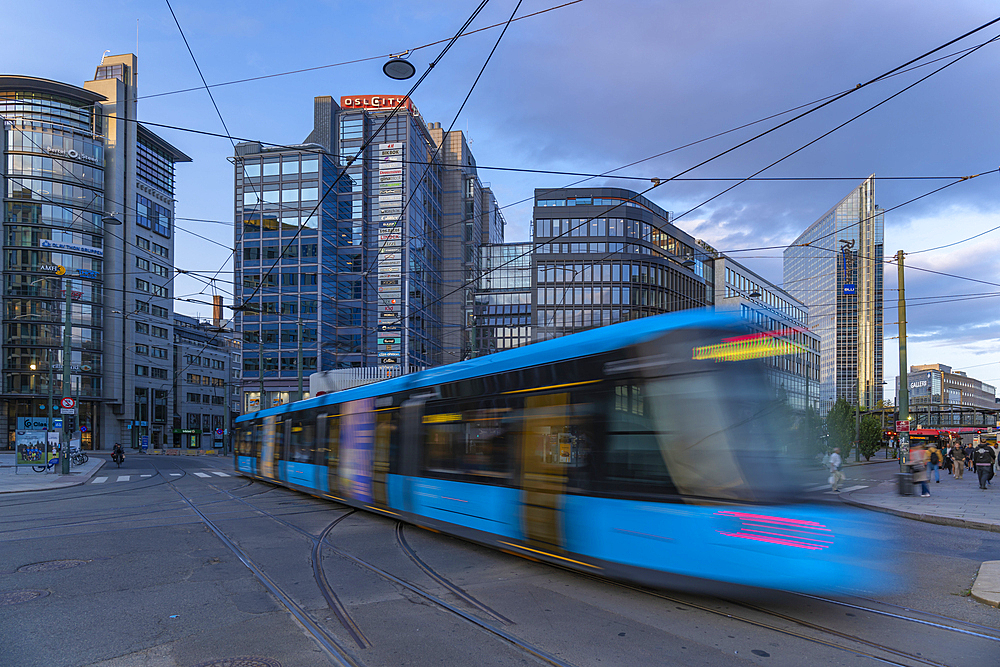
79,457
51,464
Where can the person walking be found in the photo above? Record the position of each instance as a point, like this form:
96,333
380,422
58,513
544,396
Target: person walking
836,477
958,456
984,458
918,464
934,463
968,457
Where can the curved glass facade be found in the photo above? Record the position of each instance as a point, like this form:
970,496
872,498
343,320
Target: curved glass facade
53,202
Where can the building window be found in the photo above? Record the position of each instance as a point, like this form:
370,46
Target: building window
141,371
160,250
141,328
161,270
142,263
160,311
193,379
160,332
159,353
141,285
193,398
142,349
158,373
141,306
159,290
142,243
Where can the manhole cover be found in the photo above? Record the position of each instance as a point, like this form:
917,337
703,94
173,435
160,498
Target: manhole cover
250,661
49,565
17,597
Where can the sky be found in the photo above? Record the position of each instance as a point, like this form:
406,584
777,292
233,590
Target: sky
591,87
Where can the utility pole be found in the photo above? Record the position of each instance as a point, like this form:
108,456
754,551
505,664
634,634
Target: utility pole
66,391
904,387
260,369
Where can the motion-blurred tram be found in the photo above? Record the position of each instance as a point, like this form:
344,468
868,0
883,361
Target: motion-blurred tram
653,451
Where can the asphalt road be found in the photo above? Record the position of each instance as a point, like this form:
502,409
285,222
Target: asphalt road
185,563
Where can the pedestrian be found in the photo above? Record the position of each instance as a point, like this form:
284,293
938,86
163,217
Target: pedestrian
958,454
934,462
918,464
984,458
946,453
836,477
968,457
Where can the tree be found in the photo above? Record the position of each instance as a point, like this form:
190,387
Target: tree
840,426
871,436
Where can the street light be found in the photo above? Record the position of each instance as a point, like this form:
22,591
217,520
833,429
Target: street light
110,219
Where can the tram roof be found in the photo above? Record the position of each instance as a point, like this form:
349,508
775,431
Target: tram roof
584,343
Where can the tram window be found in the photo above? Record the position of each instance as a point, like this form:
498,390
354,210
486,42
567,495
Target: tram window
279,440
302,442
632,458
329,444
468,439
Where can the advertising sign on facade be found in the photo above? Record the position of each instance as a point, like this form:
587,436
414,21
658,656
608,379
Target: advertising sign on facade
357,440
49,244
32,423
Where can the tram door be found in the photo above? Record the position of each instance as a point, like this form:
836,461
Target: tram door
385,432
267,452
546,445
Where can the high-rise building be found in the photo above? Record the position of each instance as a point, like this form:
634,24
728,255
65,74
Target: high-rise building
88,206
395,230
835,268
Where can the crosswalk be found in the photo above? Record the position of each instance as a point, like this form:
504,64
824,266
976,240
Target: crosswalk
826,488
104,479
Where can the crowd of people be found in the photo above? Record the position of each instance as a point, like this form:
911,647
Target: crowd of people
929,460
954,457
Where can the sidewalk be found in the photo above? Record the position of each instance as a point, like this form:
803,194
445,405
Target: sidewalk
14,479
953,502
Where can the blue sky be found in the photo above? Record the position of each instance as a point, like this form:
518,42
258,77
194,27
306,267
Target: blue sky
591,87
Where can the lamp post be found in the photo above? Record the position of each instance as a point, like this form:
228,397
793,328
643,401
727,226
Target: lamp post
67,333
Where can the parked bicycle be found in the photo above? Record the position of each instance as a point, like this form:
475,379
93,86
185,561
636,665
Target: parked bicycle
79,457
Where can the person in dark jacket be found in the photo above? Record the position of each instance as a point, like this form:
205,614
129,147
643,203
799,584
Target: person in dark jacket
984,458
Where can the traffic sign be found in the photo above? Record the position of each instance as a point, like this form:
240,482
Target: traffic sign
902,426
68,403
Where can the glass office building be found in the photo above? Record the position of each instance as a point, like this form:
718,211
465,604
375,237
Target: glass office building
771,310
607,255
838,276
599,256
61,182
356,245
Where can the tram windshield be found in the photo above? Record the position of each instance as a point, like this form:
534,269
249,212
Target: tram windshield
723,432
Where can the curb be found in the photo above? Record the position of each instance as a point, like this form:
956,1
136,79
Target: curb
987,591
926,518
81,478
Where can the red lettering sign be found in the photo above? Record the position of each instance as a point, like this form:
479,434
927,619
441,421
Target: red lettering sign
375,102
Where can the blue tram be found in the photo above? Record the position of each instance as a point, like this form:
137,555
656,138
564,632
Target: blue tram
652,451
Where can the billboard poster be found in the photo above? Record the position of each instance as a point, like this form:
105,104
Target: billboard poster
30,446
357,443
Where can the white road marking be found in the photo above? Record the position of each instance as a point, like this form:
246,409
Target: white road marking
818,488
123,478
145,475
855,488
201,474
99,480
220,474
176,474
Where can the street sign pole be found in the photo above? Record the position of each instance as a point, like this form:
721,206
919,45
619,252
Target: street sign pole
904,386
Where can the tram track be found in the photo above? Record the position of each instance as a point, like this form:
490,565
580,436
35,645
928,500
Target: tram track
531,650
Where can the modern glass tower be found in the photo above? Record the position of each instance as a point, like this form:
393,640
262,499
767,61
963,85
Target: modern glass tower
835,268
383,242
74,157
